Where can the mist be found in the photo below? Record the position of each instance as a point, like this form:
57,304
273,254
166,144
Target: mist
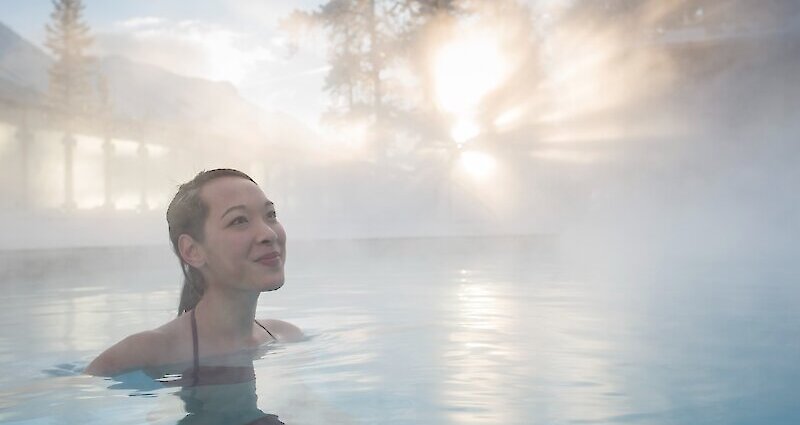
707,166
630,131
496,211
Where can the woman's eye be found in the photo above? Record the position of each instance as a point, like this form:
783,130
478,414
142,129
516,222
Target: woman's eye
272,215
239,220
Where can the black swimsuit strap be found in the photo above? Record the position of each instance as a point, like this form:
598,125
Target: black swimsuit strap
195,350
263,327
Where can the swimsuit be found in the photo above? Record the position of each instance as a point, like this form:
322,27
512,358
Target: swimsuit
217,374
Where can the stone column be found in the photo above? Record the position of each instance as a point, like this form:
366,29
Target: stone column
108,157
24,138
69,184
142,153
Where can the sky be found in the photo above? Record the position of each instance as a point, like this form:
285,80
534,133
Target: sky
223,40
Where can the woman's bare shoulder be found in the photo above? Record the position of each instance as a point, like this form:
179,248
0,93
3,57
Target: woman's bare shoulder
284,331
136,351
133,352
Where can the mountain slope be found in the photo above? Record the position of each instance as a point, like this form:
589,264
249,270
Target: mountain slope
23,67
150,95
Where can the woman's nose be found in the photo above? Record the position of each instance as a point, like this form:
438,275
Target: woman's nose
266,233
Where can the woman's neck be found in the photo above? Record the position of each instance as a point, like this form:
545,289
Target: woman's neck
226,316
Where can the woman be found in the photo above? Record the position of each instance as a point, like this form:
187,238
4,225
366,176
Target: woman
231,248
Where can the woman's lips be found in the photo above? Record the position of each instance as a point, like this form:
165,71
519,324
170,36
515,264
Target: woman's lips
271,259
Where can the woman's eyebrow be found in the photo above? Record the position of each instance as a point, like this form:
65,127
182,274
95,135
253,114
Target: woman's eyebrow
267,204
236,207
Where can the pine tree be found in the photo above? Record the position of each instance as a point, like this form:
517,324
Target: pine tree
357,55
367,39
70,76
353,80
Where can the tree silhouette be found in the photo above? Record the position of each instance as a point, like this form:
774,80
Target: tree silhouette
357,37
70,85
368,40
70,76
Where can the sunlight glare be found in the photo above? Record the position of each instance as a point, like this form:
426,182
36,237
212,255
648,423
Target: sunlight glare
464,130
505,119
478,164
587,72
466,70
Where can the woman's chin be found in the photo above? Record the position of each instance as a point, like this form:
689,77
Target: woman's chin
272,285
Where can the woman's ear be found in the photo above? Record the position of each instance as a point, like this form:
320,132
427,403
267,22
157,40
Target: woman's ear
191,251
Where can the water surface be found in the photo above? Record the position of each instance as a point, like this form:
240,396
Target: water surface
430,331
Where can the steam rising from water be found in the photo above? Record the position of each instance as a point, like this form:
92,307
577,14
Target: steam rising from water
693,130
629,130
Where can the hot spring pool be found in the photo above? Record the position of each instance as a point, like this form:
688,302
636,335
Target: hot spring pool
423,331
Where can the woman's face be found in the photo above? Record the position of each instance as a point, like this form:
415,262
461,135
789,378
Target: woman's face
244,245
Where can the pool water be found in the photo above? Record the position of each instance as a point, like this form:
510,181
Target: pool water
427,331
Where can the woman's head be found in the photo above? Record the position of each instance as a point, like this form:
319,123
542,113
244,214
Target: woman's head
225,232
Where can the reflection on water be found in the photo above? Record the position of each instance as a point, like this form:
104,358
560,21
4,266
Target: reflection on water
423,331
520,356
224,404
479,352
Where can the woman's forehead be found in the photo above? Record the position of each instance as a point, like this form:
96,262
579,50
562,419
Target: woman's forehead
223,192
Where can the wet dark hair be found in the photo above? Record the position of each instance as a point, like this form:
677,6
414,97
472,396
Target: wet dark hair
187,215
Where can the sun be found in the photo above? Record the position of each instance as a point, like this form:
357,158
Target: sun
465,69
